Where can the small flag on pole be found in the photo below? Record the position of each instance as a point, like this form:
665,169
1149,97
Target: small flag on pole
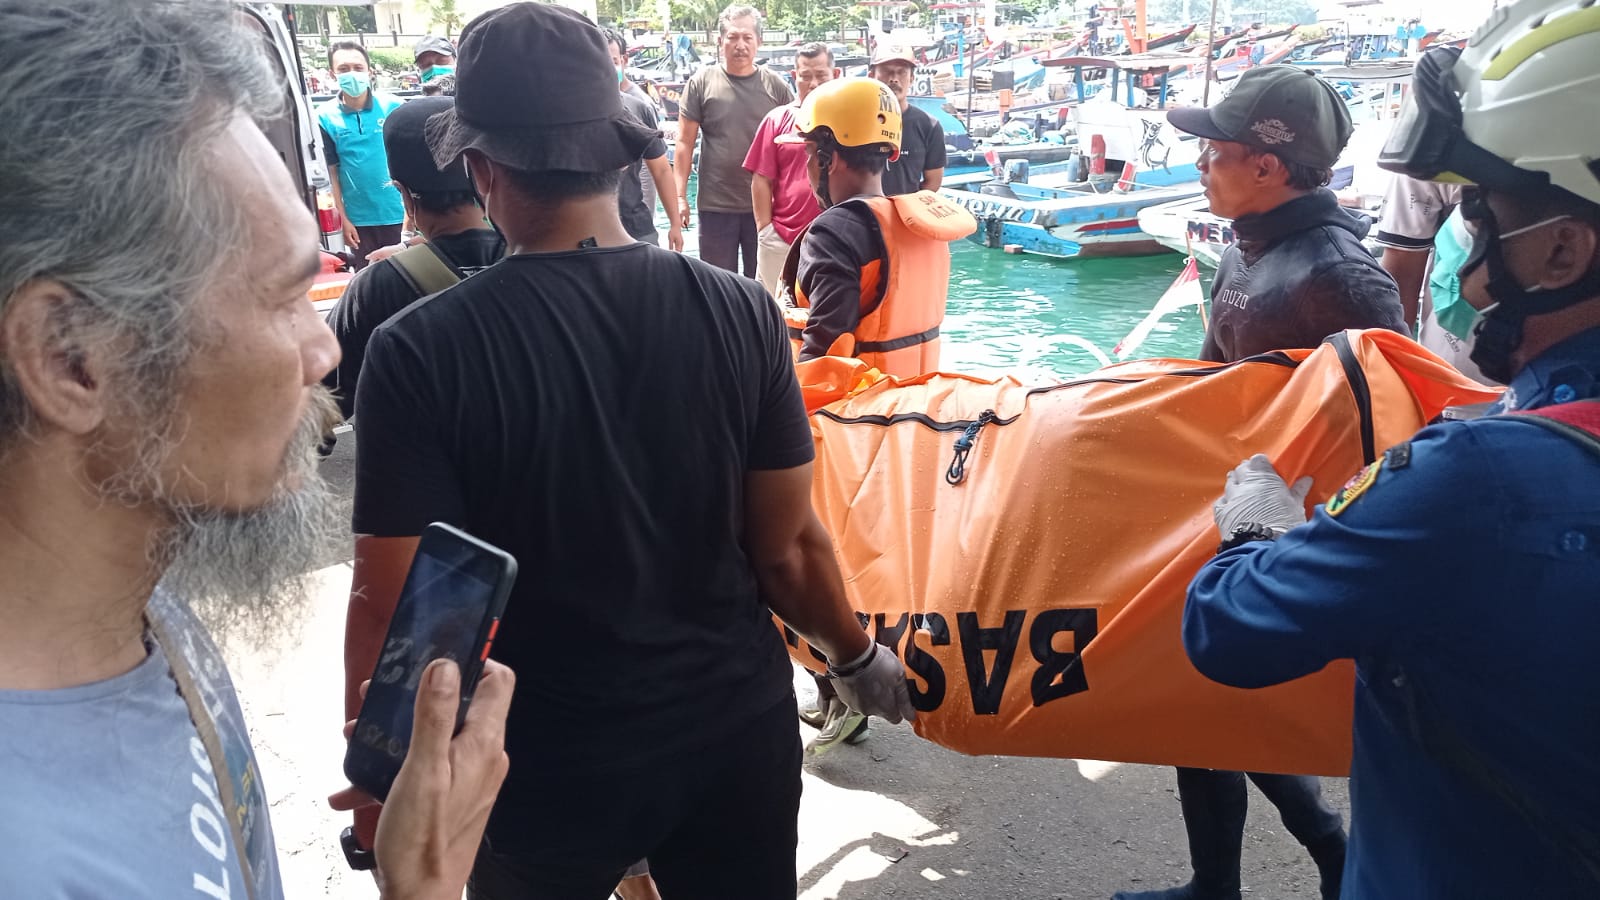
1184,291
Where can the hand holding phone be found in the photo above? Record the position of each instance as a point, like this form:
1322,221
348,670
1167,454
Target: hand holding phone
449,608
431,826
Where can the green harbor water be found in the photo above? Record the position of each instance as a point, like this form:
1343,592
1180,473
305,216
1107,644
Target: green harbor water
1037,318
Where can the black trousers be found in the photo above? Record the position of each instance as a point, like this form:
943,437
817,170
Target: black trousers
724,236
1214,805
372,237
717,821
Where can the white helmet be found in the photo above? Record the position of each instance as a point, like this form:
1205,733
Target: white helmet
1530,83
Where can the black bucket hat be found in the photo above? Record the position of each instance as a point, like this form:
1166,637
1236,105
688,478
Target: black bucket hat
410,161
536,91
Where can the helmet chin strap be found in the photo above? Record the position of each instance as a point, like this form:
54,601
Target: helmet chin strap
1498,336
824,163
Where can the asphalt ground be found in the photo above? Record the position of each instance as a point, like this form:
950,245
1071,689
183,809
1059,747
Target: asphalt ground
893,817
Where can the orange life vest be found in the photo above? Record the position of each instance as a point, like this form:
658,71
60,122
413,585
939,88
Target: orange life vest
902,294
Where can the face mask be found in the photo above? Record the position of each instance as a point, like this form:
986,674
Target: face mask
1484,238
354,84
483,201
436,72
1499,333
622,75
1450,250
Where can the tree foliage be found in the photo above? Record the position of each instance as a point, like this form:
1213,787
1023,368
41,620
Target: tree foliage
357,20
444,15
311,19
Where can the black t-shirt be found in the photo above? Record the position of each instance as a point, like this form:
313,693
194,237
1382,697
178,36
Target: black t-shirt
638,211
921,149
837,246
594,413
379,291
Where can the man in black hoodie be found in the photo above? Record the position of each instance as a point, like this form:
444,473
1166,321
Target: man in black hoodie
1298,271
1296,274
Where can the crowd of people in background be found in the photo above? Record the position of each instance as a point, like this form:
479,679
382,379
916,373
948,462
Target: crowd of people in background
626,421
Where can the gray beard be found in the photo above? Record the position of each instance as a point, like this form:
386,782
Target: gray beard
247,574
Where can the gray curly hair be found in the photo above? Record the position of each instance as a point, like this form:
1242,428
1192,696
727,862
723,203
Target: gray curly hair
735,12
110,108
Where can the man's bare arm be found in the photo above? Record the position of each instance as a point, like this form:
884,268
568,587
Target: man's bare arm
761,199
795,565
662,176
1407,267
683,164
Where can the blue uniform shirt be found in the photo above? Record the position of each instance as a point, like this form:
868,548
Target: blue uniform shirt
1464,580
354,143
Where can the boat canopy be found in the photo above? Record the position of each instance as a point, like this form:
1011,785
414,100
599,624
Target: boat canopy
1133,66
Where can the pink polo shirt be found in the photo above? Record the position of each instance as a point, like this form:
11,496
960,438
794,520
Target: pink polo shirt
793,203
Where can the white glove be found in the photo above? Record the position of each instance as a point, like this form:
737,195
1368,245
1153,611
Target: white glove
874,684
1256,494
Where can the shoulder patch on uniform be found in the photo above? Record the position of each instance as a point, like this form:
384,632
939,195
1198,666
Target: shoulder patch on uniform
1353,489
1398,456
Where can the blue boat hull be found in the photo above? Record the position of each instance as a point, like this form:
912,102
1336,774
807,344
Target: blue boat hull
1070,222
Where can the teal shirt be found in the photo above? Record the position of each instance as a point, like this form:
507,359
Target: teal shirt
354,142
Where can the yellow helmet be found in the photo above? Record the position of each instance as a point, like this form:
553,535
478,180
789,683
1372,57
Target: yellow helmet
858,112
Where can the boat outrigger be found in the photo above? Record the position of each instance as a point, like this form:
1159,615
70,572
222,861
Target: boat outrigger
1124,159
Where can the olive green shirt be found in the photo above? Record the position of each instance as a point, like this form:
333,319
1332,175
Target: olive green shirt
729,108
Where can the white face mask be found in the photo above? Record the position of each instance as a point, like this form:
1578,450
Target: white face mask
1527,228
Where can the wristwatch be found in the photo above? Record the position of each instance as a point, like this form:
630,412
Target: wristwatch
359,859
851,668
1247,532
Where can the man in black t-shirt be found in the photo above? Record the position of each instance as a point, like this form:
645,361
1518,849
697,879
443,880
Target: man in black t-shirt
920,166
448,216
636,195
626,422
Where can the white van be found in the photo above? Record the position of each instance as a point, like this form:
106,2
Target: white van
296,135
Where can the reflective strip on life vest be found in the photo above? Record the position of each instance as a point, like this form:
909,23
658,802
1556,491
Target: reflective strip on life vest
899,343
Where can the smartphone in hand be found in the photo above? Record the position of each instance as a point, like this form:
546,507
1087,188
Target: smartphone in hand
449,608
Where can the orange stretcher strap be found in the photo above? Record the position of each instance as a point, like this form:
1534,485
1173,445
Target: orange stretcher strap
329,290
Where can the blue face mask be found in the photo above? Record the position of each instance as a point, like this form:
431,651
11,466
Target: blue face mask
354,84
437,72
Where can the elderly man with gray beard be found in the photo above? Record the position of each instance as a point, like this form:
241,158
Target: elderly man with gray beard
159,402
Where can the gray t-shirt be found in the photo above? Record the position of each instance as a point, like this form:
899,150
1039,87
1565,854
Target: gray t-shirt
729,109
635,207
106,789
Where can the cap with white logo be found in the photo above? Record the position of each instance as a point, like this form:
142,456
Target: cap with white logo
1283,110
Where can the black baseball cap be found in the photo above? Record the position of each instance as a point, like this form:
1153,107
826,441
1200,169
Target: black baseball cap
434,44
1283,110
536,91
405,143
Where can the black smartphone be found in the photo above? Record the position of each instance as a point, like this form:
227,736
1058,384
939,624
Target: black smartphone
449,608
